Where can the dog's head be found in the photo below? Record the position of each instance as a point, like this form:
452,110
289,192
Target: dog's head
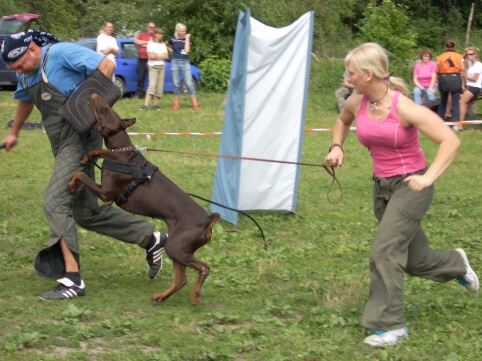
109,122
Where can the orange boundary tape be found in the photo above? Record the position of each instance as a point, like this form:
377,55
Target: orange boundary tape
149,134
313,130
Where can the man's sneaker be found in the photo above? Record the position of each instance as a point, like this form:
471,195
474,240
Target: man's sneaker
65,289
195,107
385,338
470,281
144,107
154,254
175,107
155,107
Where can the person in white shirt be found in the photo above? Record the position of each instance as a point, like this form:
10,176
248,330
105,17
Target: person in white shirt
106,43
473,86
156,53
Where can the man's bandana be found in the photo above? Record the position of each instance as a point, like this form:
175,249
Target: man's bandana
17,44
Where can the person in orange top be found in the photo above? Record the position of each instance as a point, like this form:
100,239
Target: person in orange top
451,72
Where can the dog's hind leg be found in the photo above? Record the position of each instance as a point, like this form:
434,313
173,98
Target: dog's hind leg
202,270
180,279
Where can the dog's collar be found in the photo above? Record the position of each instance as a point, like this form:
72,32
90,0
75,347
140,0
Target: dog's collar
123,149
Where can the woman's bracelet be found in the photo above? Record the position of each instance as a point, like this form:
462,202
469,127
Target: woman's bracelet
336,145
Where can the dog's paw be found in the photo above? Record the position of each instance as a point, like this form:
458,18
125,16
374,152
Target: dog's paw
157,297
73,186
85,160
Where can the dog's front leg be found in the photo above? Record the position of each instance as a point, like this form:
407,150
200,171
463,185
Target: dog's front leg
101,153
89,183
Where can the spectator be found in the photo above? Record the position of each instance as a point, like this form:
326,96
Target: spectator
106,43
448,109
141,41
180,66
451,72
343,92
157,53
403,188
474,81
45,66
223,104
425,78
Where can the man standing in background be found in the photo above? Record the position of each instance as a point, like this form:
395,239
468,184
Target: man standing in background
106,43
141,41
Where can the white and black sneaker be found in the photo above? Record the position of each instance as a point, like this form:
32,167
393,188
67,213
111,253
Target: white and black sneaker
470,281
66,289
386,338
154,254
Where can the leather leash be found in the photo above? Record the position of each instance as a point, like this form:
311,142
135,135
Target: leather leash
329,167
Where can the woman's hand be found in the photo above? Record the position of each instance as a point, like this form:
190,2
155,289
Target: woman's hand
335,156
418,183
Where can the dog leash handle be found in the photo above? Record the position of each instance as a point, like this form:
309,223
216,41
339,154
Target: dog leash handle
3,145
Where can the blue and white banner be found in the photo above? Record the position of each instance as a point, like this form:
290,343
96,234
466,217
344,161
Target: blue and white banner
264,116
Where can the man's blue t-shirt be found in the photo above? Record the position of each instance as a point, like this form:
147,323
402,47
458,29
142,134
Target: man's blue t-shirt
67,65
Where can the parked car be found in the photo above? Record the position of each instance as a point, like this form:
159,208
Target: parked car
126,71
11,24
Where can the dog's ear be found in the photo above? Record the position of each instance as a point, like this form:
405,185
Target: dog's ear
102,131
126,123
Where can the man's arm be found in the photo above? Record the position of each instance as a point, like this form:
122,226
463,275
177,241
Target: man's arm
106,67
140,42
114,51
24,108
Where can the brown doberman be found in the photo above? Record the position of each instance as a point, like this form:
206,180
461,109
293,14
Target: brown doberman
137,186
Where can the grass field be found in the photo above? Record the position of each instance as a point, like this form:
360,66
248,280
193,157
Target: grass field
302,299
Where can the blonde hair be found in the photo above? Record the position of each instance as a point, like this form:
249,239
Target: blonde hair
178,26
472,49
372,57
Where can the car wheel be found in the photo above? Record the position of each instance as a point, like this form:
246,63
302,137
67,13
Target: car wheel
184,87
120,83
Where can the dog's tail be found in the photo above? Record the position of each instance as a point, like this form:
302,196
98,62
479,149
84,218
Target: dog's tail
232,209
209,230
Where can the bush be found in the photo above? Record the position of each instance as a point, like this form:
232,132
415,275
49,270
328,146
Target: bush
215,74
326,75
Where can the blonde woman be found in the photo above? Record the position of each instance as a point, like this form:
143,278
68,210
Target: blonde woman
388,124
156,53
180,66
474,81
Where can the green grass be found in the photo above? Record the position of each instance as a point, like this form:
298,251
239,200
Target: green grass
300,300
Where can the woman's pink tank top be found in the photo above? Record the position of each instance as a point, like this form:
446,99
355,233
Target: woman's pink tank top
395,150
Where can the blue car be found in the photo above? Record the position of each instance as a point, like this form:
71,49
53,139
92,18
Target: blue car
126,70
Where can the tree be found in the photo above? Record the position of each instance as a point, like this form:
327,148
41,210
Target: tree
389,25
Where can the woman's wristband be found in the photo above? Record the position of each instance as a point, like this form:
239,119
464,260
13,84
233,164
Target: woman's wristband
336,145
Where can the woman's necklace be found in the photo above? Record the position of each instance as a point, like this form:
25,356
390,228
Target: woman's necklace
374,103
